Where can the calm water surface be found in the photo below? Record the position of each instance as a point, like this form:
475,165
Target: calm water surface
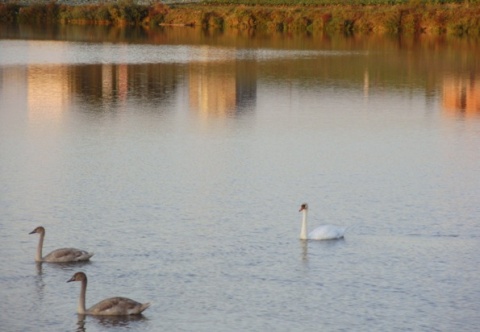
181,160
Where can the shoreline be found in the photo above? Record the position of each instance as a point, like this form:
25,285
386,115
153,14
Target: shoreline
436,19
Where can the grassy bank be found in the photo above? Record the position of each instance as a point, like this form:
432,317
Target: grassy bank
414,17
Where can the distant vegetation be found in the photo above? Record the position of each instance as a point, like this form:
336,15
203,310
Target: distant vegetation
337,2
327,16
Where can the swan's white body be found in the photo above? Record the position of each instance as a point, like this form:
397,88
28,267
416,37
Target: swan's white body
115,306
324,232
63,255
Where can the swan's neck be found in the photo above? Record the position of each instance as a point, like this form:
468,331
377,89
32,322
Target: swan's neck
38,256
303,231
81,301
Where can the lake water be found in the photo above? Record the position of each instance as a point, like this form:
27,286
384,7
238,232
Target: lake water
181,159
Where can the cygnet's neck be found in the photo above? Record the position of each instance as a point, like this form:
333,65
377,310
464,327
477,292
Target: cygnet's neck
81,301
303,231
38,256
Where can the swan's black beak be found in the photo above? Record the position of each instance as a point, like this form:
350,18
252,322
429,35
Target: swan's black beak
71,279
32,232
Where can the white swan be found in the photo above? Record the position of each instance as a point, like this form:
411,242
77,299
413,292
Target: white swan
63,255
324,232
115,306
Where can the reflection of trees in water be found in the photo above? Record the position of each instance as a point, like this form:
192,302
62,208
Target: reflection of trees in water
370,63
216,87
461,95
112,83
246,87
222,88
390,63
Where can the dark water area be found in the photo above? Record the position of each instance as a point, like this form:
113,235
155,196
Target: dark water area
181,159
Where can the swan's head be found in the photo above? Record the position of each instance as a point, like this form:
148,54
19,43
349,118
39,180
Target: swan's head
39,230
303,207
79,276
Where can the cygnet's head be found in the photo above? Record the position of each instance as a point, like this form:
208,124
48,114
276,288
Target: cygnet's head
39,230
79,276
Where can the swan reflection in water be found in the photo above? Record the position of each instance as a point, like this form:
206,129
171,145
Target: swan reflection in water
320,245
69,266
108,321
304,245
40,283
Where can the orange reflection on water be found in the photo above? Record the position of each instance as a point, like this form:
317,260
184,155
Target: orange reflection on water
461,96
122,82
48,92
211,91
221,88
